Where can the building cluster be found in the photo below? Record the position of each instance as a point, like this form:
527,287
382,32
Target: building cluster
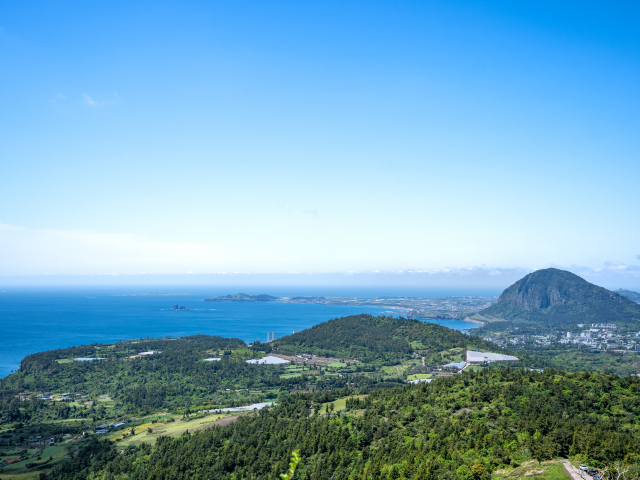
600,336
102,429
49,396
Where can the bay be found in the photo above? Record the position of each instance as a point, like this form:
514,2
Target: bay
38,319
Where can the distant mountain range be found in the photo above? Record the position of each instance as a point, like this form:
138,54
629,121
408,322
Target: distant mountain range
557,297
242,297
635,296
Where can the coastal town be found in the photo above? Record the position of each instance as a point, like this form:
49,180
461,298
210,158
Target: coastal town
452,308
598,336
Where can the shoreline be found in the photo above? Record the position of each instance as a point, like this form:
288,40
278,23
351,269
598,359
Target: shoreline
477,322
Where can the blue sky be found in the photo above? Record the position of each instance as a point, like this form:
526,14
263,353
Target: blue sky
311,137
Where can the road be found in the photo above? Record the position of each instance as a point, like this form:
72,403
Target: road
575,473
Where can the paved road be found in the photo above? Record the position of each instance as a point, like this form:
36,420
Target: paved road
575,473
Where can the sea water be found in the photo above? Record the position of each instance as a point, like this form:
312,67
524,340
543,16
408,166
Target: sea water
38,319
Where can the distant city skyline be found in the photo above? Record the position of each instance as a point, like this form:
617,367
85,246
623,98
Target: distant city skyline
319,138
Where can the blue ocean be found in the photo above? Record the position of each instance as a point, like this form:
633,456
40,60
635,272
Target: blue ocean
37,319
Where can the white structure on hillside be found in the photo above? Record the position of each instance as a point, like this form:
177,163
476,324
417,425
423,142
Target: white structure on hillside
255,406
269,360
455,365
476,358
421,380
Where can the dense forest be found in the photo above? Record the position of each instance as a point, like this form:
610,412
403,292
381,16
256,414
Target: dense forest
461,427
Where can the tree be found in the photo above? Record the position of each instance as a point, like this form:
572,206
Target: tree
479,472
620,471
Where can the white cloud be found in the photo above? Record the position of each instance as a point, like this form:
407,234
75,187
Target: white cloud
44,251
27,251
88,100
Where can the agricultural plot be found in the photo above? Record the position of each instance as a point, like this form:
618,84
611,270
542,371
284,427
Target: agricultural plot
419,376
549,470
54,451
340,404
20,476
473,368
172,429
396,370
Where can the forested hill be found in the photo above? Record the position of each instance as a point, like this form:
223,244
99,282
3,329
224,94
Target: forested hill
458,428
634,296
368,338
558,297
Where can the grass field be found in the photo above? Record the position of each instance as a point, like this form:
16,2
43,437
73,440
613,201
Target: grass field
419,376
473,368
53,451
337,365
396,370
19,476
339,404
291,375
550,470
172,429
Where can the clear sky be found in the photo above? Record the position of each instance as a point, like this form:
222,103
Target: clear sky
319,136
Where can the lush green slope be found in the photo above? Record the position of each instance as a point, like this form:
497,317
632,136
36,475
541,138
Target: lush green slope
461,427
556,297
377,339
633,296
177,376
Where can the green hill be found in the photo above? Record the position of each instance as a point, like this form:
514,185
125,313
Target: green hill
558,298
378,339
633,296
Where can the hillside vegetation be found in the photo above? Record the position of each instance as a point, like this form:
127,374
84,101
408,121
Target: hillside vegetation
173,377
378,339
633,296
461,427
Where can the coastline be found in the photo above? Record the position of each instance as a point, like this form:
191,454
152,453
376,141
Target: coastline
477,322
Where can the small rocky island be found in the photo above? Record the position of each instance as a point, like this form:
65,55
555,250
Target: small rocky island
176,307
242,297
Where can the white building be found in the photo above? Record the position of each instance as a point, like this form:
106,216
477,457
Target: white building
269,360
476,358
